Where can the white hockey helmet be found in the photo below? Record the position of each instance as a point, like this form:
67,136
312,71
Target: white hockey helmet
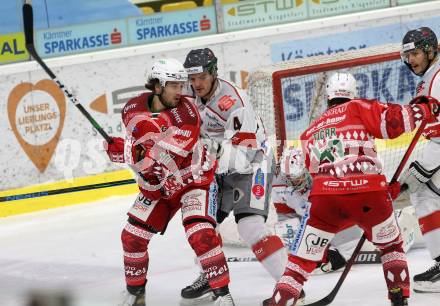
293,167
166,70
341,85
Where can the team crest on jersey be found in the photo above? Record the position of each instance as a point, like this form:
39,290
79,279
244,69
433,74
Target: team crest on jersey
225,103
258,188
420,87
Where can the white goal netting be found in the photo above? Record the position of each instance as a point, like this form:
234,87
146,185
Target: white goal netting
289,95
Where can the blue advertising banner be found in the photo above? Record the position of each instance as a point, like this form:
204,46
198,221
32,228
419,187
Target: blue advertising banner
172,25
389,81
344,41
81,38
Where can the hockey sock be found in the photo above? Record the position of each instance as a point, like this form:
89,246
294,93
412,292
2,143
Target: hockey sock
135,242
290,284
268,248
395,266
271,253
205,242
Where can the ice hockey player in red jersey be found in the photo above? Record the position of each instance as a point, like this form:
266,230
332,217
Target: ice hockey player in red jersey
290,195
419,53
175,172
348,187
245,162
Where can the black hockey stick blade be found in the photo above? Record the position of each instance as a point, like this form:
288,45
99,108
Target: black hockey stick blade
39,194
331,296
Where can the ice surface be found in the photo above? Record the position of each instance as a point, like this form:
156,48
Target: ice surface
77,249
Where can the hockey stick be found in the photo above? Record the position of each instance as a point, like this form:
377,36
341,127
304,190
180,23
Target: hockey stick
28,22
331,296
364,257
39,194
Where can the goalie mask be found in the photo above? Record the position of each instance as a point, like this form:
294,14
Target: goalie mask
422,38
293,167
201,60
166,70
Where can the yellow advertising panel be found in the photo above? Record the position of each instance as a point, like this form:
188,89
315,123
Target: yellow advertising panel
12,48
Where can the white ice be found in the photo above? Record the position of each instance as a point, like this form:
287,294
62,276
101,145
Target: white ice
77,249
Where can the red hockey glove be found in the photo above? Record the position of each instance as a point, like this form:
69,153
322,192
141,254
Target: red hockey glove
432,104
394,190
432,131
115,150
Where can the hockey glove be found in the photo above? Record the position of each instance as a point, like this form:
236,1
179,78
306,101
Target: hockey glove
115,149
432,131
433,107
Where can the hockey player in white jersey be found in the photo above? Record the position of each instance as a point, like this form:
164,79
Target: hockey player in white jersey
290,191
419,53
245,162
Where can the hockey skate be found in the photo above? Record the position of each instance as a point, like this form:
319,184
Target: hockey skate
428,281
134,297
223,297
396,297
301,301
197,293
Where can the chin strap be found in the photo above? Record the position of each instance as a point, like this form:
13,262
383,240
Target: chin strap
159,95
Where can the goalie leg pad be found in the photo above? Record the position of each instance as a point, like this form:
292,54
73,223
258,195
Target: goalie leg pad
135,240
268,248
286,229
430,225
206,244
409,227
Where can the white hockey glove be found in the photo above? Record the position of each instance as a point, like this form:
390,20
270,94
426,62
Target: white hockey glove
415,176
233,159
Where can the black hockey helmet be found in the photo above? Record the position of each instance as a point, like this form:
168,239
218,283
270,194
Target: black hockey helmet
422,38
201,60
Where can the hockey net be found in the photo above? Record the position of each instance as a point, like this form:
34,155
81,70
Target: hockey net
289,95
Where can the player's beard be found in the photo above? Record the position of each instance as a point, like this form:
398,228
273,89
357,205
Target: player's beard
174,101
